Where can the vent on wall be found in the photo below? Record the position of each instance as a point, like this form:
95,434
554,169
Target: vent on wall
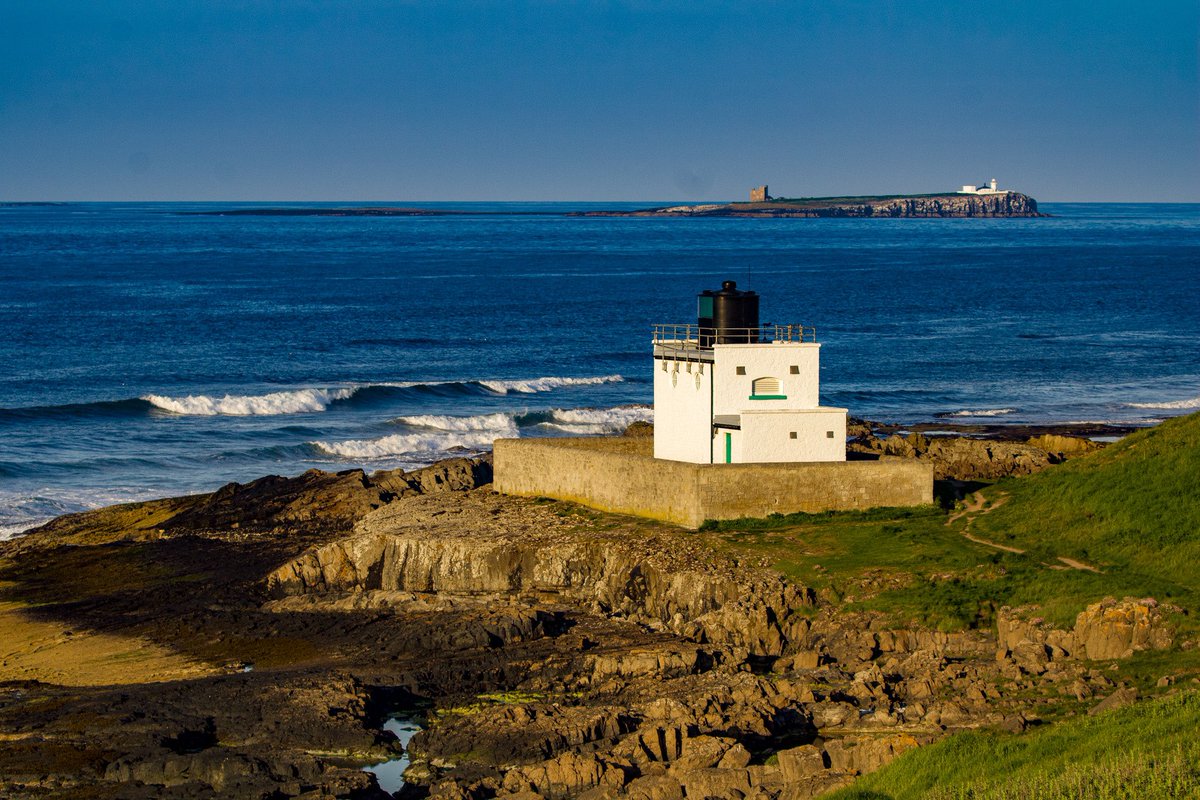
762,386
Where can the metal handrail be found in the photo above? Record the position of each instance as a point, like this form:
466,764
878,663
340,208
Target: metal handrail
692,336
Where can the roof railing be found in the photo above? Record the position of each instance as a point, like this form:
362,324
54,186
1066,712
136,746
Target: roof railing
695,337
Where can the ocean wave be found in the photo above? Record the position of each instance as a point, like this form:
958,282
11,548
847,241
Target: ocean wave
19,512
564,420
500,422
545,384
298,401
1193,402
444,434
408,444
585,421
101,408
983,412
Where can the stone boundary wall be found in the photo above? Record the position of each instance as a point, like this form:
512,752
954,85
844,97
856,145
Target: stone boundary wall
621,475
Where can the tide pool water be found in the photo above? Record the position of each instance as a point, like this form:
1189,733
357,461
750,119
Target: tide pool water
147,351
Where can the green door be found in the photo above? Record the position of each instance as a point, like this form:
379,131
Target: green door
729,448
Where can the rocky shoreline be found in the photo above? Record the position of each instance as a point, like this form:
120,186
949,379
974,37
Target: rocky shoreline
251,642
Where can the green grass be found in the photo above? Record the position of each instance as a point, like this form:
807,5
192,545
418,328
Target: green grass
1132,510
486,701
902,561
858,198
1148,750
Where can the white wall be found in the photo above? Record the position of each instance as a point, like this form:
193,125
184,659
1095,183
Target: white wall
766,435
682,411
732,395
685,403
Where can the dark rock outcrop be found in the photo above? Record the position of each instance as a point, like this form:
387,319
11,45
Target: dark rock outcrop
313,502
1109,629
966,459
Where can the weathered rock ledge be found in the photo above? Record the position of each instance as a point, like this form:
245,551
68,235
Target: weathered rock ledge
476,546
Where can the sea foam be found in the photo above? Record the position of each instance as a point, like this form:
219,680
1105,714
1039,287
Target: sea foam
434,434
597,420
501,423
298,401
1193,402
408,444
545,384
307,401
983,412
20,511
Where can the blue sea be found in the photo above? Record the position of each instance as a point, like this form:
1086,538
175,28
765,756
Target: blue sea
146,351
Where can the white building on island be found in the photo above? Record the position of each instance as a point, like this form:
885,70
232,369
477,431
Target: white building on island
990,188
730,391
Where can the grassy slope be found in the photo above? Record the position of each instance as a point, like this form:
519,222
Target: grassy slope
1132,510
1148,750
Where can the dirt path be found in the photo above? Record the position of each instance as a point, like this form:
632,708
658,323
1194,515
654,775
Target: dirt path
1073,564
975,507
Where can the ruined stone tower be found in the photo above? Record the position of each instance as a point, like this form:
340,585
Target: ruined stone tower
759,194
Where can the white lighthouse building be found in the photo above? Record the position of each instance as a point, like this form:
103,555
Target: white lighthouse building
728,390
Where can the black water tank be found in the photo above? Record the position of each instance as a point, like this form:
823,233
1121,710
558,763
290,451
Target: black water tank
728,316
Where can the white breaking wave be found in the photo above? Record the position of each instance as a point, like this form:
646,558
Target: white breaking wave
984,412
545,384
500,423
298,401
597,420
20,512
442,433
1193,402
408,444
301,401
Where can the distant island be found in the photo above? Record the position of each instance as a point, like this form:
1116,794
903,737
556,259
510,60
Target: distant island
970,201
986,200
1006,204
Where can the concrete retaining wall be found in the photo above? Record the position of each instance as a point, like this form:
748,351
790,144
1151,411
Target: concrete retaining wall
621,475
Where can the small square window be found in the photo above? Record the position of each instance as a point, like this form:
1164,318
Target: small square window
828,434
741,370
792,435
795,370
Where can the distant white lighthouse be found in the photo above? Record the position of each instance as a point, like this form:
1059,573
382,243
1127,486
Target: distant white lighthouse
991,188
730,391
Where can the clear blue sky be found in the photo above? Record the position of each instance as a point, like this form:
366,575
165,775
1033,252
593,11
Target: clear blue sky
366,100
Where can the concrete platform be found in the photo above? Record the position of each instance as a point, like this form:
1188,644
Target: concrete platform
621,475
